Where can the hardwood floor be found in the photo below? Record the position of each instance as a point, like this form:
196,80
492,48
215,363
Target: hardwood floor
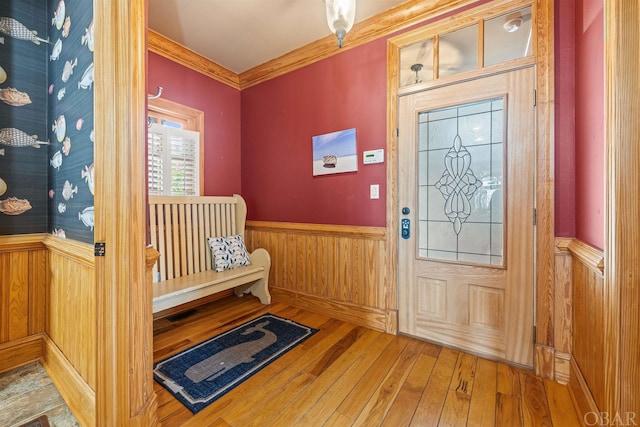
347,375
27,393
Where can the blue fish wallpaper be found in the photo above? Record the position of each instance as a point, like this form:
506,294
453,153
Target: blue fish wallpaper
23,117
70,119
46,118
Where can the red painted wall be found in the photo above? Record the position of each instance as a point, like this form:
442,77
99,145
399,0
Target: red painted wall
279,118
221,106
565,119
590,120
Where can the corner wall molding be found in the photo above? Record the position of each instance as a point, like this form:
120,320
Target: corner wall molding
562,243
587,254
163,46
590,256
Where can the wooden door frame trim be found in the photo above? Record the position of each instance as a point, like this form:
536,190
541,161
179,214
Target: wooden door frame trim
124,382
545,242
621,268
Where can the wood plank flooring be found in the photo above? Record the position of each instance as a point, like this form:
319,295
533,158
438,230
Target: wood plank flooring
347,375
27,393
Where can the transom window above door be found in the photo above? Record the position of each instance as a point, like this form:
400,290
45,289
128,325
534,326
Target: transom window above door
477,44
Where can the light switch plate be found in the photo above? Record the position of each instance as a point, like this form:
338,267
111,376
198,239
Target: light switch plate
374,191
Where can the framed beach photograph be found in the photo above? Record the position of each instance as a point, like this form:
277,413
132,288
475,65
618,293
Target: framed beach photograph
335,152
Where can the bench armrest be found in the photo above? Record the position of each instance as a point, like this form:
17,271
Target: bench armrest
260,257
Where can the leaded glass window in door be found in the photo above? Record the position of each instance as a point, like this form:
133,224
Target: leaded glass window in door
461,151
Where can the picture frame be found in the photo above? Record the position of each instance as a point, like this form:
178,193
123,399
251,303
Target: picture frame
335,152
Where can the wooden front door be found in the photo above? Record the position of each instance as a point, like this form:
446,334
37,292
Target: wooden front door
466,202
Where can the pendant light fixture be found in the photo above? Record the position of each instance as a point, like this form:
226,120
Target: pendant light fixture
340,17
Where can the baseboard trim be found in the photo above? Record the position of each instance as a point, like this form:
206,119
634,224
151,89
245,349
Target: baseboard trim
78,395
16,353
543,364
562,367
374,318
581,396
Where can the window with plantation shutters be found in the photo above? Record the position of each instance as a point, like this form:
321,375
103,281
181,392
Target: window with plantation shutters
175,152
173,161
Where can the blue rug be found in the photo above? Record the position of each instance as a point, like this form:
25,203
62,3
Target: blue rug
203,373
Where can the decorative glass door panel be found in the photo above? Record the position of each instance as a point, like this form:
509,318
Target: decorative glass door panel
466,186
460,155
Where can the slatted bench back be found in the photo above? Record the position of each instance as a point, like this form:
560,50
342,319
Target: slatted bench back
179,228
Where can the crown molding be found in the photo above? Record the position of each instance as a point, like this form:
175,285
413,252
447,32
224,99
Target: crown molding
163,46
398,18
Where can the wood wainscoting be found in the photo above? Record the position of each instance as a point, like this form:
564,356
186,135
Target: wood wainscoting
589,344
23,279
552,361
47,313
70,352
578,356
329,268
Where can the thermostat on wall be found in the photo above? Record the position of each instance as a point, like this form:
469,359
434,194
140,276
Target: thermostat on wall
373,156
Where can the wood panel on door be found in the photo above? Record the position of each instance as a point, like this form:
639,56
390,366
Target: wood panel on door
467,177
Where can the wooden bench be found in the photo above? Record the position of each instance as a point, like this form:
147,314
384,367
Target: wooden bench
184,273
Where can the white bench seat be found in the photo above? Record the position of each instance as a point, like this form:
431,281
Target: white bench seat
179,227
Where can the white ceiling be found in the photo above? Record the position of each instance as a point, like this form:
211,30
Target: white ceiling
241,34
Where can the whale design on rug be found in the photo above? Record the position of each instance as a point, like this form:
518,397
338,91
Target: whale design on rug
216,365
199,375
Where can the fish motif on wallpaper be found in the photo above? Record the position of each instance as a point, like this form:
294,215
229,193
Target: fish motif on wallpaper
3,187
60,127
62,207
68,69
15,29
87,174
66,27
86,216
14,97
79,123
87,38
56,160
59,232
16,138
3,75
58,15
66,146
61,93
68,190
14,206
55,52
87,78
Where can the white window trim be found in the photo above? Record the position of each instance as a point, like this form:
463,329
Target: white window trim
163,157
190,118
